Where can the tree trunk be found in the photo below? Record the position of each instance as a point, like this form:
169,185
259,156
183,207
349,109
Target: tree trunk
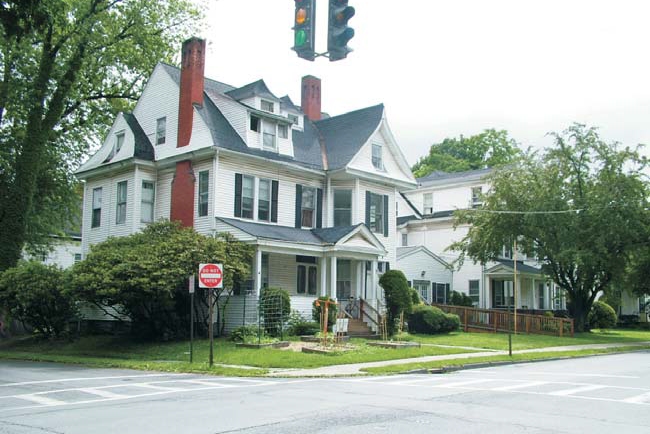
579,309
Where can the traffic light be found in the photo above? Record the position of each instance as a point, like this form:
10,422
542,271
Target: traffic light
338,32
304,29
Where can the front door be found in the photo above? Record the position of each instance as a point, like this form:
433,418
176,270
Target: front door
502,295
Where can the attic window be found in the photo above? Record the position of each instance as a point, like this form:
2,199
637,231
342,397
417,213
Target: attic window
293,119
377,160
161,130
255,124
119,141
267,106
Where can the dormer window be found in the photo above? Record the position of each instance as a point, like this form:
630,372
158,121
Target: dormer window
428,203
377,160
269,141
267,106
161,130
255,124
293,119
119,141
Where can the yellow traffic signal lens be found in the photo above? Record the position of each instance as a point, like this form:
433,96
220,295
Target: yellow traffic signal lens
301,16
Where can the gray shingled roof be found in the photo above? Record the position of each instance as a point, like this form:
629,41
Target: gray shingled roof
143,148
215,85
521,267
287,104
405,219
435,177
256,88
344,135
319,237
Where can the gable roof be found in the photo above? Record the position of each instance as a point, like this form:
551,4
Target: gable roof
509,264
256,88
403,252
439,177
345,135
143,148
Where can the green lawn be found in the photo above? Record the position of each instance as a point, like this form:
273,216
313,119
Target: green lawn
109,351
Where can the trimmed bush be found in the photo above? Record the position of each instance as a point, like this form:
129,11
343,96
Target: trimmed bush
460,299
331,312
415,297
431,320
601,316
398,297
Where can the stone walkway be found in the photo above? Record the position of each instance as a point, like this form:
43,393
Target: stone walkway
355,368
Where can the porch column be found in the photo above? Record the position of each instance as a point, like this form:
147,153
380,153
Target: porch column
257,273
373,283
333,278
535,299
360,265
323,276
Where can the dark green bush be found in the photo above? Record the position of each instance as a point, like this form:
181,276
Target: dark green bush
415,297
245,333
331,312
601,316
460,299
398,298
431,320
275,305
305,328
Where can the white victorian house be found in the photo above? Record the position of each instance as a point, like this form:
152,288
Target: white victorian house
315,195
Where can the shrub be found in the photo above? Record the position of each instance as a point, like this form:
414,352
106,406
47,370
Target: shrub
431,320
601,316
415,297
331,312
460,299
299,326
245,333
37,294
275,306
398,297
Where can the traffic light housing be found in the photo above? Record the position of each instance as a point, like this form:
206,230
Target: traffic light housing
304,29
338,32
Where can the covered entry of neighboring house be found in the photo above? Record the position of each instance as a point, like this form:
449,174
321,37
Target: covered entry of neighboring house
339,262
534,290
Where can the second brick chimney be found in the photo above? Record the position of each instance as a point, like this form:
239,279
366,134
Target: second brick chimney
310,99
191,93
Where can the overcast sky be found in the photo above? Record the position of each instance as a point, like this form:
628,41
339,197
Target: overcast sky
445,68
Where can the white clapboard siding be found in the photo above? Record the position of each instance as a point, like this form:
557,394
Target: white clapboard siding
241,310
389,241
413,264
164,194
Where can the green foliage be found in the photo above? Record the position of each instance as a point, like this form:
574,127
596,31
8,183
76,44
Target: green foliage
432,320
299,326
398,298
602,316
145,275
37,294
415,297
331,311
581,208
460,299
67,68
275,308
488,149
247,333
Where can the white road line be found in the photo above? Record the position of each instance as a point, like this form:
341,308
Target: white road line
151,386
102,393
63,380
519,386
464,383
418,380
40,399
567,392
644,398
208,383
574,374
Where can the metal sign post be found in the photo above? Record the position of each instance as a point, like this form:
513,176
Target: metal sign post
191,286
211,276
210,327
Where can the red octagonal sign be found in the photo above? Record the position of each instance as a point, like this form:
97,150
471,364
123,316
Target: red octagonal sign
210,276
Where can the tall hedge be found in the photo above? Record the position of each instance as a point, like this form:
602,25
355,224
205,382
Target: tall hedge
398,298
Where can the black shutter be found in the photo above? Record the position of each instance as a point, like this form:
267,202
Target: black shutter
368,198
298,206
319,208
387,266
385,215
238,187
274,201
409,283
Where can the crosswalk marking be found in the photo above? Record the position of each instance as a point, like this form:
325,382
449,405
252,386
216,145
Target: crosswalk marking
40,399
464,383
644,398
152,386
574,390
208,383
520,386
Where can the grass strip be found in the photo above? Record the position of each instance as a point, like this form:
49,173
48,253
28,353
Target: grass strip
520,357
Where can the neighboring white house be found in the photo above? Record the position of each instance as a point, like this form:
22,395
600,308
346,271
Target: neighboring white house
63,251
426,219
429,274
315,195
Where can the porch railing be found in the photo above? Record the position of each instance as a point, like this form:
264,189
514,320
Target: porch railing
493,320
367,310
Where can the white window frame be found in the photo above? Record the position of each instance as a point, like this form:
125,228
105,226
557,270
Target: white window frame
377,160
96,222
161,130
147,206
270,106
376,213
247,213
119,141
304,208
427,203
343,281
258,123
267,126
203,200
260,199
340,210
475,297
405,239
120,202
423,287
283,131
309,286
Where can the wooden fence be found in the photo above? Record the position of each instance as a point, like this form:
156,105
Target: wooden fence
493,320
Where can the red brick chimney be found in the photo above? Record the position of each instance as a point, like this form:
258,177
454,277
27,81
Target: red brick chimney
310,100
191,92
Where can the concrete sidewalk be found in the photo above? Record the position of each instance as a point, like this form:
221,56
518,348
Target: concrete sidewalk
355,368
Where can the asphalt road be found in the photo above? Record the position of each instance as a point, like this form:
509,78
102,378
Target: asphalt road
607,394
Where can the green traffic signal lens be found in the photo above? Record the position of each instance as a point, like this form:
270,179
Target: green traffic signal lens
301,38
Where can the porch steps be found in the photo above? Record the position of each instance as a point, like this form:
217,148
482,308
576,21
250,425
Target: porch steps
359,329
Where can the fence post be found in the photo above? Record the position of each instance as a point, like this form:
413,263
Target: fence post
465,316
496,321
527,324
561,327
